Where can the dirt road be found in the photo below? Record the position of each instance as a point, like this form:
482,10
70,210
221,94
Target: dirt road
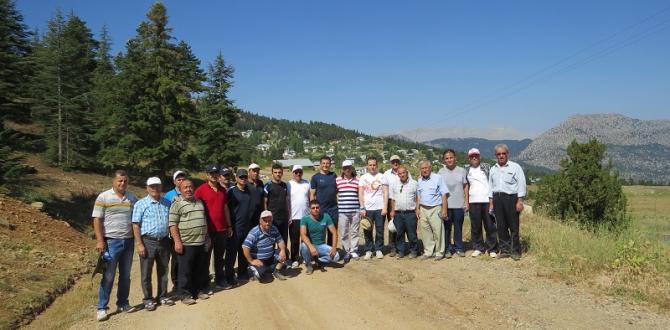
394,294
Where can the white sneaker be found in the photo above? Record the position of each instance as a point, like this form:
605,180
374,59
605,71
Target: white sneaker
493,255
295,264
368,255
476,253
354,255
379,255
102,315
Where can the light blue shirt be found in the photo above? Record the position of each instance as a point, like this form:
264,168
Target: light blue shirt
431,189
152,216
508,179
170,196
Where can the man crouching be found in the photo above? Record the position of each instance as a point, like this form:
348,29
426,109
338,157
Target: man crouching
313,234
259,249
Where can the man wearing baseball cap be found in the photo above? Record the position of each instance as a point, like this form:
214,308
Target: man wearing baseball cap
298,189
259,249
150,228
241,209
477,197
177,177
391,179
257,192
225,177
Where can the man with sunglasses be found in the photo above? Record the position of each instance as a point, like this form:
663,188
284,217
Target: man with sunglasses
298,189
242,208
508,189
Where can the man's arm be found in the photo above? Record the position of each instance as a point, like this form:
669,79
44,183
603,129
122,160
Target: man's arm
466,192
282,251
247,255
312,194
307,241
444,206
178,246
99,236
138,239
521,192
333,233
361,199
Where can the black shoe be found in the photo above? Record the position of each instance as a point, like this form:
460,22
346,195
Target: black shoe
400,255
516,257
310,269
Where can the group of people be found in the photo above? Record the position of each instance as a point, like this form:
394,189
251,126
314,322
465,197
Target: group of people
273,226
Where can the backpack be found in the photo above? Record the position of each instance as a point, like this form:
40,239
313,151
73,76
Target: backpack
484,166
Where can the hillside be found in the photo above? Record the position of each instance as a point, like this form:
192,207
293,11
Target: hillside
485,146
639,149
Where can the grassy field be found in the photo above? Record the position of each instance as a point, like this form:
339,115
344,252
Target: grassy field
650,209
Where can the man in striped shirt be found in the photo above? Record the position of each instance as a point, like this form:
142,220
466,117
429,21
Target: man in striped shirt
348,206
259,249
188,227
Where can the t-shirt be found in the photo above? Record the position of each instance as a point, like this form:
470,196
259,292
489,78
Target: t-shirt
215,202
479,185
262,244
347,195
116,213
373,190
189,217
241,208
277,193
299,198
326,189
317,229
170,196
257,194
391,179
455,179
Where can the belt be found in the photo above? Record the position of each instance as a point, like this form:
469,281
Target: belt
429,207
405,211
151,238
500,193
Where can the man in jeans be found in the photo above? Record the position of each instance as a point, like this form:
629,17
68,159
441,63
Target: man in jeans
114,235
403,212
150,226
313,233
259,249
373,196
454,177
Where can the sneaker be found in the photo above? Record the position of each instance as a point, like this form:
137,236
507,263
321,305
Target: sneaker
188,301
101,315
440,257
493,255
476,253
347,257
392,253
412,255
354,255
295,264
278,275
368,255
516,257
223,286
150,306
167,302
203,296
426,257
460,254
126,309
400,255
379,255
310,269
447,255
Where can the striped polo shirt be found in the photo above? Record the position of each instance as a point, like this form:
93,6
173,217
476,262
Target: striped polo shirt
152,216
347,195
116,213
262,244
189,217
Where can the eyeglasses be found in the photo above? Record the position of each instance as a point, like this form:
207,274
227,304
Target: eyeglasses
242,177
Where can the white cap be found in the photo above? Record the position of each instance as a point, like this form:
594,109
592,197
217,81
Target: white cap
347,163
254,166
176,174
394,157
473,151
153,180
266,214
296,167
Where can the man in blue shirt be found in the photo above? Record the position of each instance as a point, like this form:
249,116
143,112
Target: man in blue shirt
323,188
431,203
150,228
260,252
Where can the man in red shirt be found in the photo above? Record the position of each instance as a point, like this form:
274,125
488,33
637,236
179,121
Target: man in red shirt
213,195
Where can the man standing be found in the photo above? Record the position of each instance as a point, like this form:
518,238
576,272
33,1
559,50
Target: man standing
259,249
431,208
277,200
177,177
390,179
213,196
313,232
257,193
299,195
373,196
348,209
114,235
508,189
454,177
477,197
226,178
150,226
403,212
323,188
188,226
242,208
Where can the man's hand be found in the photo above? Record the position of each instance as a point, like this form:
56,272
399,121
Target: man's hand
418,214
384,212
179,248
256,263
519,205
100,246
229,232
333,251
392,214
363,213
466,207
141,251
313,252
282,256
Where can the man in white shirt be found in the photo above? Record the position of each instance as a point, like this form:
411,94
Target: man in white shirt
298,189
373,197
477,197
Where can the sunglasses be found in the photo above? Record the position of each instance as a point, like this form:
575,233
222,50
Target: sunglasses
243,177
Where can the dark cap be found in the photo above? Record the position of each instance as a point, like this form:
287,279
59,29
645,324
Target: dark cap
242,172
225,171
212,168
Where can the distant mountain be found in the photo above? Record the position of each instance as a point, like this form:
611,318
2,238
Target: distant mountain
485,146
490,133
639,149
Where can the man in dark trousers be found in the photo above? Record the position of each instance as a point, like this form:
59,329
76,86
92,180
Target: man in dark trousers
277,200
241,206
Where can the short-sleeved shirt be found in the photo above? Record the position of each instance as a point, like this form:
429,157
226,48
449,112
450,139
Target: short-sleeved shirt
479,185
317,229
299,198
455,179
215,206
404,195
152,216
508,179
347,195
116,213
431,189
241,208
373,190
262,244
171,195
257,194
391,178
326,189
189,217
277,194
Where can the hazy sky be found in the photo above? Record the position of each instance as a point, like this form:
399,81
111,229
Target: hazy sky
387,66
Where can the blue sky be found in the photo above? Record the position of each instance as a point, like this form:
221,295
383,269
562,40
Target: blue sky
388,66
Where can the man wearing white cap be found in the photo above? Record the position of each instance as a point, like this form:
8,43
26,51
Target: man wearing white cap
477,197
150,228
298,189
348,209
260,252
177,177
391,179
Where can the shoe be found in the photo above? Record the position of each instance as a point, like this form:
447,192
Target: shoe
460,254
150,306
439,257
368,255
167,302
347,257
126,309
516,257
354,255
476,253
203,296
101,315
310,269
278,275
223,286
392,253
493,255
254,273
447,255
295,264
426,257
412,255
188,301
379,255
399,255
209,291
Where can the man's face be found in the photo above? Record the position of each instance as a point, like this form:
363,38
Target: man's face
425,169
394,164
213,177
253,173
297,175
474,160
241,180
187,189
266,223
501,156
450,159
372,166
325,165
348,170
402,174
224,180
178,181
314,210
154,190
120,183
277,173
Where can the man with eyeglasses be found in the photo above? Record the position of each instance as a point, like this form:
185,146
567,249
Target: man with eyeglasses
508,189
403,212
225,178
313,229
241,209
298,189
